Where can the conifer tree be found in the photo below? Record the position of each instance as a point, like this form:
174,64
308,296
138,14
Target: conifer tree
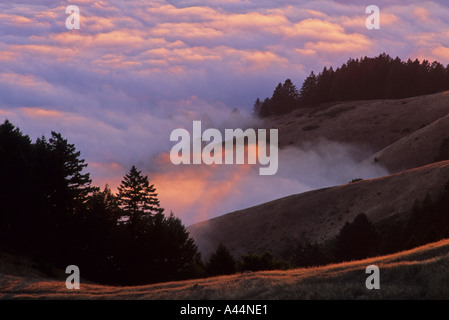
257,106
137,197
307,93
75,185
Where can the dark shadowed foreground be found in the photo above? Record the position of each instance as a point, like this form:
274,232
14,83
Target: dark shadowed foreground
421,273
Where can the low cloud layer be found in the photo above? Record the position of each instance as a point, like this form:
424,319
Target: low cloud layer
136,70
202,192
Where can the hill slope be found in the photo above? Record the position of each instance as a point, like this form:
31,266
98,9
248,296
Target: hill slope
318,215
420,273
419,148
372,125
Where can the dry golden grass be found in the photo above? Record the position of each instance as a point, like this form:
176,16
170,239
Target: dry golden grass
421,273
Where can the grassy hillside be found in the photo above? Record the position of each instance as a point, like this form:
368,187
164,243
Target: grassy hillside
373,125
421,273
419,148
318,215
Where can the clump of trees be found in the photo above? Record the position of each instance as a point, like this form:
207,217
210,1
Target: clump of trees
222,262
50,210
260,262
308,254
356,240
285,98
381,77
428,222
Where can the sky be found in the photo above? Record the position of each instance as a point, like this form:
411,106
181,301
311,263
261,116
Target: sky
136,70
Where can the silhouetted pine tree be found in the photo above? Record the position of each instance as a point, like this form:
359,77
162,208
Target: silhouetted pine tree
155,247
75,185
308,93
324,84
289,98
137,197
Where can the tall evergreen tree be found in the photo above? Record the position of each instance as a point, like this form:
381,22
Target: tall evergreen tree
324,83
63,171
137,197
276,101
308,95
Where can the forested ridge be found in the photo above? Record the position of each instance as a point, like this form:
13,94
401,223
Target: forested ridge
381,77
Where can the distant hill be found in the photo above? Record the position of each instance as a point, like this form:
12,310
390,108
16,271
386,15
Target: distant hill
420,273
